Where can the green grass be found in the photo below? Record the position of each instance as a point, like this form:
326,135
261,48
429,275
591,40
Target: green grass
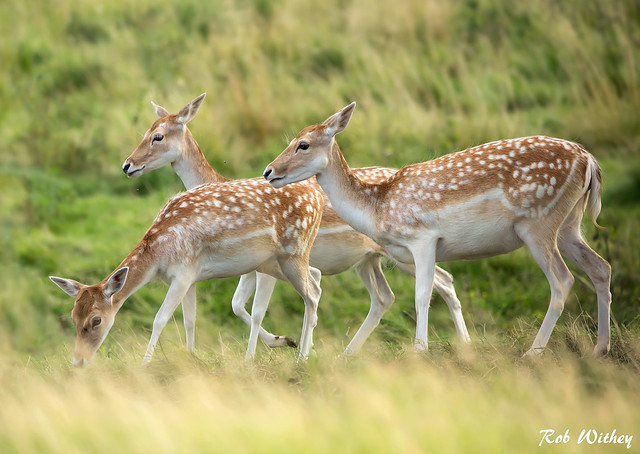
429,77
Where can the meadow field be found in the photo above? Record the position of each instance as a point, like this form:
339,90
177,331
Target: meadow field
429,77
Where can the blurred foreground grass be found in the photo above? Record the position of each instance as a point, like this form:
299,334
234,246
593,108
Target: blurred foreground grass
478,399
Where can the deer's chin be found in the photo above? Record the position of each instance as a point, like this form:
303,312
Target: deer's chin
278,182
136,172
81,360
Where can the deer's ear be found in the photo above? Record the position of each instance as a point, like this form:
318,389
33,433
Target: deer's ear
339,120
116,282
160,111
70,287
189,111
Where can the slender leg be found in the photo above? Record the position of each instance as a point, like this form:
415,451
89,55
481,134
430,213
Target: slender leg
424,257
382,298
245,288
264,289
189,316
443,284
573,247
177,291
546,254
306,280
248,283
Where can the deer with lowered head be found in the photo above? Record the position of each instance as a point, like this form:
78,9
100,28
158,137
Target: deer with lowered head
336,249
213,230
481,202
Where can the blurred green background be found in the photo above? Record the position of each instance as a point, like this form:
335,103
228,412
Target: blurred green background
429,77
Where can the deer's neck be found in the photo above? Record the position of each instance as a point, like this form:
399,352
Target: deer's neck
192,167
142,269
353,199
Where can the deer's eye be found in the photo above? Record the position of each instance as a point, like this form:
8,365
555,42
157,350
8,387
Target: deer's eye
157,137
95,321
303,146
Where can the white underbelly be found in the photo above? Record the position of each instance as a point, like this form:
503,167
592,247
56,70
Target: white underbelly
473,247
340,250
397,252
236,264
461,232
467,237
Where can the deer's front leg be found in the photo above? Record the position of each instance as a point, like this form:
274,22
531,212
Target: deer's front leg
424,256
189,316
443,284
177,291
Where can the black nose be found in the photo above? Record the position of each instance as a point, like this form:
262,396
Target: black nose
125,167
266,173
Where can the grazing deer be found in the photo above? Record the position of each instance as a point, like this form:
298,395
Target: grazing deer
337,247
480,202
213,230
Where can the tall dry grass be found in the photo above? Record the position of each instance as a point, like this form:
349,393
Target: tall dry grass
478,399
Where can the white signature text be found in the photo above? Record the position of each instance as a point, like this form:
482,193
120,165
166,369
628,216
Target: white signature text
587,436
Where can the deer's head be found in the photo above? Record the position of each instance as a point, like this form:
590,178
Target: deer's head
93,312
309,153
164,141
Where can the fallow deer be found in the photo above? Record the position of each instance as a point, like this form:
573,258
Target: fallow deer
337,247
484,201
213,230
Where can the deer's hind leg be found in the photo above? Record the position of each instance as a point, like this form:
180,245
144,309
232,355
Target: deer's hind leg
574,248
547,256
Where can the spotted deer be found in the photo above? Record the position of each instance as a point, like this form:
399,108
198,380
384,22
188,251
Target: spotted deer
337,247
480,202
213,230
